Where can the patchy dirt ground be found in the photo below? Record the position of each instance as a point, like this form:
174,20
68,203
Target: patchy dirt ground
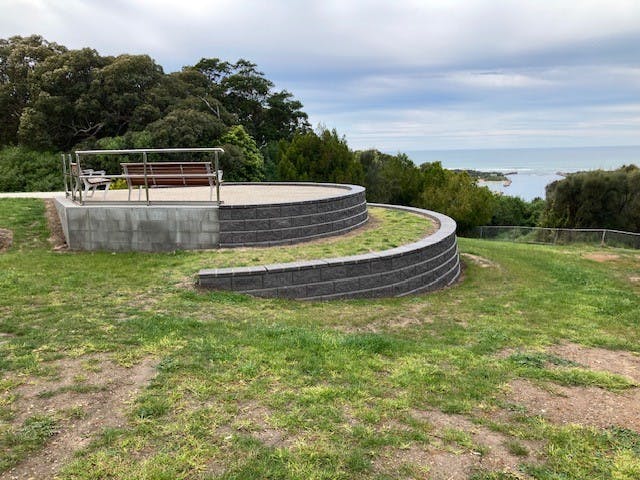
601,257
56,238
585,405
580,405
478,260
88,395
6,239
445,459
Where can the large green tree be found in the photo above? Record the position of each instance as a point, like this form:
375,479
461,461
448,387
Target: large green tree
595,199
19,57
391,179
242,160
63,109
456,194
247,94
320,157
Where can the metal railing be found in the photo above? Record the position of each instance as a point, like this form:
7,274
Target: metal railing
73,173
559,236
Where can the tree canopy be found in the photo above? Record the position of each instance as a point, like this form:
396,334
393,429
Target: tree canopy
595,199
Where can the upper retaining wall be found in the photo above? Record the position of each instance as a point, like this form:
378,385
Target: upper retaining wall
285,223
428,264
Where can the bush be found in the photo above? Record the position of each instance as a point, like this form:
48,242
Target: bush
24,170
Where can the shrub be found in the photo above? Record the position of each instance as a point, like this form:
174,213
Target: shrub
24,170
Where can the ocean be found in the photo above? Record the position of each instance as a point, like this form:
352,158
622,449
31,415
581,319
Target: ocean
530,169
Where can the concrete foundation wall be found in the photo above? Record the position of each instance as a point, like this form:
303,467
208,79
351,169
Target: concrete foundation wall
429,264
124,228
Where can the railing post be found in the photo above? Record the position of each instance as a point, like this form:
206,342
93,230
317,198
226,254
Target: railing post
217,170
80,182
146,182
602,242
64,174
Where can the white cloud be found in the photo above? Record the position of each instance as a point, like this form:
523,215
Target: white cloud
408,72
498,80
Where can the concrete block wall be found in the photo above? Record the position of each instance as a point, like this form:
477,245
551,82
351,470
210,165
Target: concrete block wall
142,228
426,265
286,223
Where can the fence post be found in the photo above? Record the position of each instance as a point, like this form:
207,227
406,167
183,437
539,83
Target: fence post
602,242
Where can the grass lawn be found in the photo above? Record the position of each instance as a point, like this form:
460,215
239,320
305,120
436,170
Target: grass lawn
114,366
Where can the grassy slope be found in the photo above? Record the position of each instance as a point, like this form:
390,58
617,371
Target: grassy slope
328,376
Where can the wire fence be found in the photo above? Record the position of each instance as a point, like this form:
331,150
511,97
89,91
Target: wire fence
559,236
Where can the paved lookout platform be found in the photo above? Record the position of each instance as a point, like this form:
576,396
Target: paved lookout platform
251,214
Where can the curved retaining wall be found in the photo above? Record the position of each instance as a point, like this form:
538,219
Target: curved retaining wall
429,264
285,223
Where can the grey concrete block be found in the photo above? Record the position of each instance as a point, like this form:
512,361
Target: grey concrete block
268,212
370,282
218,283
333,272
277,279
346,285
381,264
267,236
278,223
257,224
358,269
232,226
263,293
299,291
306,275
320,289
233,213
243,237
246,282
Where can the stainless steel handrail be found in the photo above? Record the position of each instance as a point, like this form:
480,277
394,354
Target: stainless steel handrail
144,151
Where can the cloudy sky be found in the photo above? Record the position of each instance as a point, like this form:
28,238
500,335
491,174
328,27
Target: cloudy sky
396,74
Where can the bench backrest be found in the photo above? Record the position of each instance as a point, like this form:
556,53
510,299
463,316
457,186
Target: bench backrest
169,174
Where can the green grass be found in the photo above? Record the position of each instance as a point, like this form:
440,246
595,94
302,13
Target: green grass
252,388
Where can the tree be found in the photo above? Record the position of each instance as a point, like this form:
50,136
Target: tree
282,118
320,157
456,194
247,94
19,57
185,128
595,199
390,179
121,87
62,111
242,160
510,210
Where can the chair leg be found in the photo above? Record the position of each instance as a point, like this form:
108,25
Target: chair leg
106,189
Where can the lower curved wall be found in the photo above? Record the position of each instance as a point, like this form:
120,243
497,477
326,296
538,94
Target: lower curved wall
285,223
429,264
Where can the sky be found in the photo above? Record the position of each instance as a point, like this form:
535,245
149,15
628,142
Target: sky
397,75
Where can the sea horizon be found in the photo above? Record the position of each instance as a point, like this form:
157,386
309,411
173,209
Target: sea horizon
532,168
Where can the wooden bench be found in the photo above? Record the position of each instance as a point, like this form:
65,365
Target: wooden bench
170,174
